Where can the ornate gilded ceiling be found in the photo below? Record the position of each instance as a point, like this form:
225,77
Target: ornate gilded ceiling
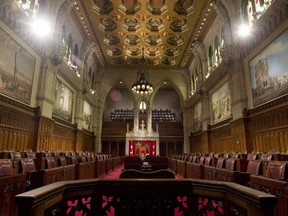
165,28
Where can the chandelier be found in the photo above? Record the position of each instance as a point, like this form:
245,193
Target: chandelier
142,85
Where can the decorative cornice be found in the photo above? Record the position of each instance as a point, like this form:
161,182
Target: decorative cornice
70,76
14,103
65,8
220,124
272,104
218,74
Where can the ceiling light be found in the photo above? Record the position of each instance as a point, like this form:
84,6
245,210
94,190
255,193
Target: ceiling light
142,85
244,30
41,27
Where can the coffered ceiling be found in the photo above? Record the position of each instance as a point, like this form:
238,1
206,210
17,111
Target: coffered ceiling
164,29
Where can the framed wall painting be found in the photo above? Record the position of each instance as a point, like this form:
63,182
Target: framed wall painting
63,101
17,68
197,116
221,103
268,71
87,116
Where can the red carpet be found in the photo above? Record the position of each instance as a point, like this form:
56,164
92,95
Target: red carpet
114,174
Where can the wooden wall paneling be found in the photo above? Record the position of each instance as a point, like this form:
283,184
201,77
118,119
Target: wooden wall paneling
89,141
114,148
268,126
163,149
196,142
220,138
105,146
17,125
45,133
122,148
239,135
64,137
79,140
170,149
283,139
205,138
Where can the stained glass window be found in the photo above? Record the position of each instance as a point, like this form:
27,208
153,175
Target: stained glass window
222,41
69,48
216,51
30,7
252,10
210,56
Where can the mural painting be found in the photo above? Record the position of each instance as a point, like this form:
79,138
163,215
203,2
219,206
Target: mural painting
197,116
17,68
221,106
63,101
269,71
87,116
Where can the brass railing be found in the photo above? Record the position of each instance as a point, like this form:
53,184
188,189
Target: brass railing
145,197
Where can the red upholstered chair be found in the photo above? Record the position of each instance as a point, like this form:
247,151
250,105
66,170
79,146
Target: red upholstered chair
265,158
208,161
27,165
209,169
6,168
50,162
195,159
230,164
254,167
10,186
277,170
274,182
202,160
220,163
252,156
62,161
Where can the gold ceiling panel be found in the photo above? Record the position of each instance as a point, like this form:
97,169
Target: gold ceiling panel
165,29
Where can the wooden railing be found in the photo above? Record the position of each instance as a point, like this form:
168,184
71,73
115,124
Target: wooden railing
145,196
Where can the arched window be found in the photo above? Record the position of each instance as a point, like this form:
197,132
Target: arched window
69,49
216,51
222,41
252,10
195,80
64,40
210,56
75,54
31,7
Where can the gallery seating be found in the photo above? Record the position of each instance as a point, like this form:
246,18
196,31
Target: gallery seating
68,169
210,169
172,163
274,182
100,167
27,166
196,168
10,185
122,115
181,165
84,169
